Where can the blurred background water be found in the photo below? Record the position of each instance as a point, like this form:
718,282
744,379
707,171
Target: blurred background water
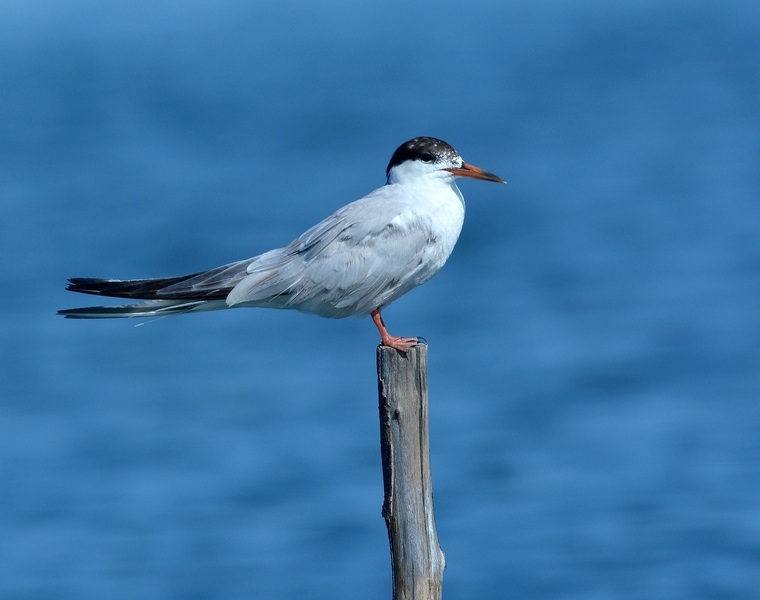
594,363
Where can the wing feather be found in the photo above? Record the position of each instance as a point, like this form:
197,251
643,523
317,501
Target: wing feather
348,264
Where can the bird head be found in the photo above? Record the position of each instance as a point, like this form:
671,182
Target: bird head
427,157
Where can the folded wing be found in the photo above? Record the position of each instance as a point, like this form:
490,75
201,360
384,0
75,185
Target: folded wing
348,265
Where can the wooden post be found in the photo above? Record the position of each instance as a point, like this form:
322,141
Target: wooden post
416,559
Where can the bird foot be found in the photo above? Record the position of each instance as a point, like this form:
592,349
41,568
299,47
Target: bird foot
399,343
386,339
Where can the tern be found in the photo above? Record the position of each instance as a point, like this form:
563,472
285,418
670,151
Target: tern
353,264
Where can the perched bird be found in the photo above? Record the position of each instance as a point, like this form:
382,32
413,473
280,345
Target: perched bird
353,264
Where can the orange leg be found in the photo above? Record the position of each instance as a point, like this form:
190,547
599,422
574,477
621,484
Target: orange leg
386,339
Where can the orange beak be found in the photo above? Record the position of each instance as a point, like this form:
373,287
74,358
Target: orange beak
475,173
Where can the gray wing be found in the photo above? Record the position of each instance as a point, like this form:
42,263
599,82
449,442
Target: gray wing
360,258
216,283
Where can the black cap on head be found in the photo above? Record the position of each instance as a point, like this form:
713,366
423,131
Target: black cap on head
426,149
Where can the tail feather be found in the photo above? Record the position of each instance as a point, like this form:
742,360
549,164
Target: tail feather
150,308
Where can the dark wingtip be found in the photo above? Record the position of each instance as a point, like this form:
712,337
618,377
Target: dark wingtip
144,289
85,284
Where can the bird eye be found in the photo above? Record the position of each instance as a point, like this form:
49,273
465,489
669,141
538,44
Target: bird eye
425,157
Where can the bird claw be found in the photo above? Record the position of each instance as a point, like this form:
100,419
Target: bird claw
399,343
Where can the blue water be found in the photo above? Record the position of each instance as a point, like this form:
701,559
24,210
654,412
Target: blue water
594,339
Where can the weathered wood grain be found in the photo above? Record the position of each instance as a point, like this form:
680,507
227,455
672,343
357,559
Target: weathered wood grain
417,561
